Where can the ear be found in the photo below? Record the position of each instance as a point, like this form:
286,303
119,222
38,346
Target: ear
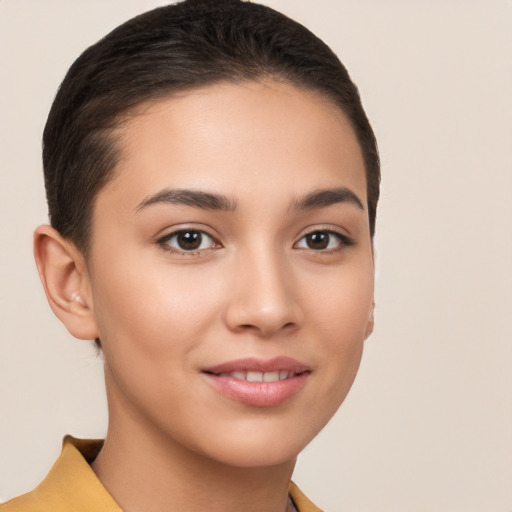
371,321
66,282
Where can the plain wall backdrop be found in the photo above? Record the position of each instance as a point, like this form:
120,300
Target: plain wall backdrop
428,423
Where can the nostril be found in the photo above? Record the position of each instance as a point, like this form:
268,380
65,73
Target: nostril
263,312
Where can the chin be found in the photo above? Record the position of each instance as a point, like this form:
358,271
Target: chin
252,457
261,446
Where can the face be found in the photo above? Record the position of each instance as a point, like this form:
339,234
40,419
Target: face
231,271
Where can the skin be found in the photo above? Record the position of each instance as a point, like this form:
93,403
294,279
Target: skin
255,288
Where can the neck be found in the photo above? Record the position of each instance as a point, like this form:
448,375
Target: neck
146,470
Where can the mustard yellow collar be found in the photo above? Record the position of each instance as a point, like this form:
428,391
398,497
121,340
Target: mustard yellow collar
72,486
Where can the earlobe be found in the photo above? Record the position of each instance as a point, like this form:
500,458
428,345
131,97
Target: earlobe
65,280
370,323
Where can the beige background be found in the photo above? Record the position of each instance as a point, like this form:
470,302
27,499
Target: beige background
428,424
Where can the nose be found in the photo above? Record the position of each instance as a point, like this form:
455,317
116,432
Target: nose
263,299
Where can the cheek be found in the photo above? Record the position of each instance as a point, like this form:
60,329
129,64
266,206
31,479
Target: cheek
341,317
342,306
152,308
151,323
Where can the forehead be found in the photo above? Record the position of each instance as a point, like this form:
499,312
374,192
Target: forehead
238,137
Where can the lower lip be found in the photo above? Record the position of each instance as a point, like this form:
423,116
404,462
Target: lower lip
258,394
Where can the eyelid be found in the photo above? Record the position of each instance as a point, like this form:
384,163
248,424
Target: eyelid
325,227
162,240
345,239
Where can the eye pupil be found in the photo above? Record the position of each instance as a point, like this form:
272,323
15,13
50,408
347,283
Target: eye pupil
189,240
317,240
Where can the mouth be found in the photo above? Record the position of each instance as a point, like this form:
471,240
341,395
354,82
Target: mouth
257,382
255,376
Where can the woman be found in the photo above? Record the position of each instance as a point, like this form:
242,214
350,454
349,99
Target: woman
212,183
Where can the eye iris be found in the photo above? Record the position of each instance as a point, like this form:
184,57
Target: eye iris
317,240
189,240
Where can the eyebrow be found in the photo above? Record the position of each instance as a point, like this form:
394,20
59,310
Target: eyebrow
211,201
194,198
327,197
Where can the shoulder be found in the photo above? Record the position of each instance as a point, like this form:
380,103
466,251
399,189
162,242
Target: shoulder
70,486
29,502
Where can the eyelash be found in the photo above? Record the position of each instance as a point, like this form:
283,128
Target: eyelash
343,242
164,242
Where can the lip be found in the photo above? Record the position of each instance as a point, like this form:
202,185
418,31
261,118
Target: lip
258,394
254,364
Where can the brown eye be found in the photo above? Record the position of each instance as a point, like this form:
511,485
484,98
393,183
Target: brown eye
323,240
188,240
318,240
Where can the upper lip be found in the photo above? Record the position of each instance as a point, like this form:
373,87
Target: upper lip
254,364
